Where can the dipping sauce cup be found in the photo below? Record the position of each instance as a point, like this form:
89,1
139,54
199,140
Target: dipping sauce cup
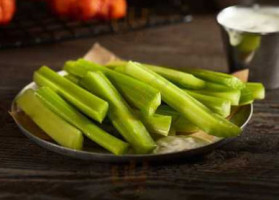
251,40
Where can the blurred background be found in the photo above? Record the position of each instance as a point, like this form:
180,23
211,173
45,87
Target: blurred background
33,22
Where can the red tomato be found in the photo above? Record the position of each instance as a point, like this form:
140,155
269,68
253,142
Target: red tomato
118,9
86,9
7,10
104,9
62,7
1,14
112,9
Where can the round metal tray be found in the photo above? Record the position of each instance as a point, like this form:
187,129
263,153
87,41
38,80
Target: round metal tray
241,118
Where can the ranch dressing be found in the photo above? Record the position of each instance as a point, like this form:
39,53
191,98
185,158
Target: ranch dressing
178,143
257,19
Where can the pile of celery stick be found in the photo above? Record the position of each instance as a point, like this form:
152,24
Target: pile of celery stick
143,103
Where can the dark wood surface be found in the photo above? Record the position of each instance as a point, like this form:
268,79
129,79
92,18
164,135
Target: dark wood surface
247,168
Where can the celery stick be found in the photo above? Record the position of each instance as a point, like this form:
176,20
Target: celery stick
58,129
72,78
184,79
137,93
181,78
246,96
166,110
237,97
179,123
232,95
172,132
179,100
188,80
250,92
257,90
140,98
74,117
182,125
156,123
217,77
159,124
89,104
216,87
121,115
218,105
177,77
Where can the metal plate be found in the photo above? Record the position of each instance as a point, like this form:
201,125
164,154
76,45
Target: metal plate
241,118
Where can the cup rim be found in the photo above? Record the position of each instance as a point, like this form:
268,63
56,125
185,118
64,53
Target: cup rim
242,31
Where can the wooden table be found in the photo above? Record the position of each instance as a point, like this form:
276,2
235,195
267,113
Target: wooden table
247,168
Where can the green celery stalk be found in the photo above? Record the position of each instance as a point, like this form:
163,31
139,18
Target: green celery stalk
217,77
182,125
72,78
246,96
121,115
156,123
159,124
257,90
217,87
183,103
218,105
191,78
172,132
179,123
89,104
177,77
232,95
58,129
137,93
181,78
74,117
166,110
250,92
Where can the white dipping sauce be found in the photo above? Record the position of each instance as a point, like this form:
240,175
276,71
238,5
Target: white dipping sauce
251,19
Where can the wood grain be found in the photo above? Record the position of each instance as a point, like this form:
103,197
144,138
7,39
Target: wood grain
246,168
